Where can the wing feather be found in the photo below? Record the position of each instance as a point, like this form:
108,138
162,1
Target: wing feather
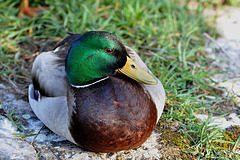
156,91
48,75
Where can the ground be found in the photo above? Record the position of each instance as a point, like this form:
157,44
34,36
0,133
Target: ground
19,125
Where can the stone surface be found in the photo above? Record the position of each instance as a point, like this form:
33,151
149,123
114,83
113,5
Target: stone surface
15,148
228,23
226,53
227,60
226,122
226,50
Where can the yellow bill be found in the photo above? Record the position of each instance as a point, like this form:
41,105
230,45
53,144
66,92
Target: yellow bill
132,70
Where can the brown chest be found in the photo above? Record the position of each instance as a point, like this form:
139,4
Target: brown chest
116,114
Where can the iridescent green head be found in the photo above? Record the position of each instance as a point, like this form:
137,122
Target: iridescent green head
98,54
95,55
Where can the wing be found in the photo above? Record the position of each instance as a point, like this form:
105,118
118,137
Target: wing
52,111
50,83
156,91
48,74
48,71
70,39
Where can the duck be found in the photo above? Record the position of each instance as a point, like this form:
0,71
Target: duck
96,92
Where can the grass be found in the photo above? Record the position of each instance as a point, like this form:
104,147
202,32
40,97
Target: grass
10,116
167,34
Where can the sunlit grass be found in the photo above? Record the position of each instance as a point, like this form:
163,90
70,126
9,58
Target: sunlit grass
167,34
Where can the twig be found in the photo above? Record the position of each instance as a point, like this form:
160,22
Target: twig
150,53
147,53
53,153
71,33
220,48
37,134
31,56
152,48
15,87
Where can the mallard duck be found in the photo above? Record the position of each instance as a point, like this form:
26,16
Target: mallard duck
96,92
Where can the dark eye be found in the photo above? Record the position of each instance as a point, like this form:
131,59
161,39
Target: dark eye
109,50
